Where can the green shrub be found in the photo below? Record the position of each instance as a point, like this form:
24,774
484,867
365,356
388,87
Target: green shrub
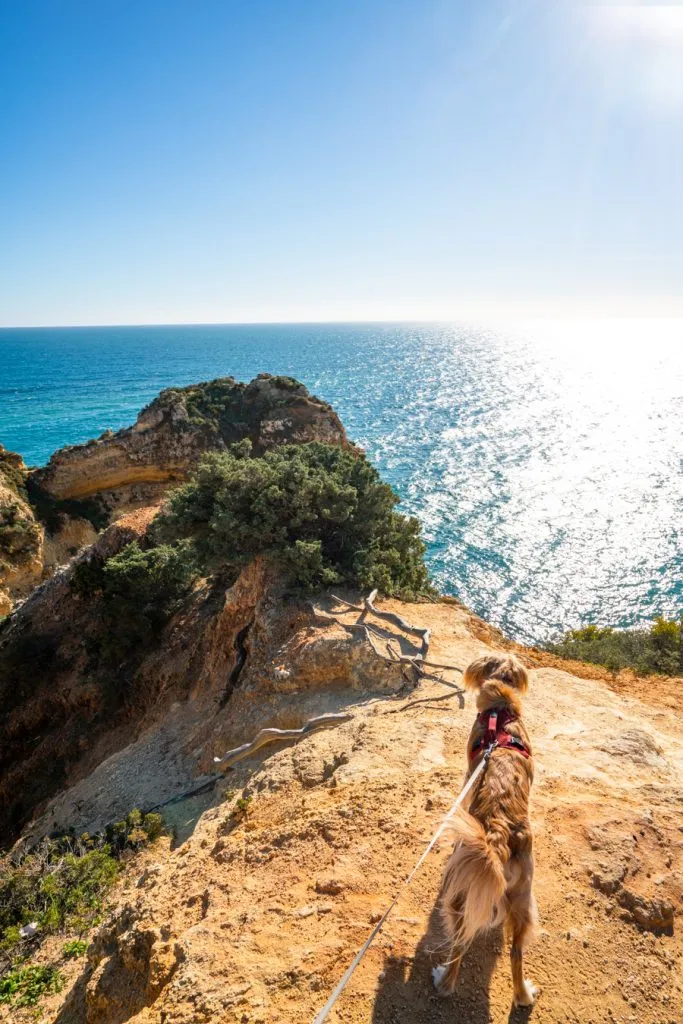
323,512
139,590
25,986
242,808
657,649
134,831
55,889
19,532
63,882
73,949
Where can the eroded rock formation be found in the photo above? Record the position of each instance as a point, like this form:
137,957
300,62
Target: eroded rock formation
136,465
21,536
47,515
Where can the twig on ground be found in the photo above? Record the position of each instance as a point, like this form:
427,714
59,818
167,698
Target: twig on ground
418,661
273,735
428,700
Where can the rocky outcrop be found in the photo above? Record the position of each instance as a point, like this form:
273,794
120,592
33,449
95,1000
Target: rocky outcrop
276,879
53,707
21,536
135,466
233,658
47,515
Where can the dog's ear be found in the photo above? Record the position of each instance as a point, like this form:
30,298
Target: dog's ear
477,672
513,673
504,668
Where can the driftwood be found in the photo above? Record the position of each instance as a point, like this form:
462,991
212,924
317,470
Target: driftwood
266,736
407,627
419,662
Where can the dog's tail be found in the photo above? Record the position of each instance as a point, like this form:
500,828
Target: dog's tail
474,881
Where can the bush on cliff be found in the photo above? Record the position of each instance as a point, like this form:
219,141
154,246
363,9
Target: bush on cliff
56,889
139,589
657,649
61,884
321,511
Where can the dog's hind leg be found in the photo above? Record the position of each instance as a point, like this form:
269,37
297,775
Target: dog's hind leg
521,924
445,976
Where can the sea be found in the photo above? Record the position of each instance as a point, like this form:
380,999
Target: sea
543,458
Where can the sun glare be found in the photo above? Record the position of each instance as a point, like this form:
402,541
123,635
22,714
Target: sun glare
646,42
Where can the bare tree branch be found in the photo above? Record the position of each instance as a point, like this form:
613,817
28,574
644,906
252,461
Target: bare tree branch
273,735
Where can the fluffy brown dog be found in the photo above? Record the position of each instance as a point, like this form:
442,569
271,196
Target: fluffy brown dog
488,877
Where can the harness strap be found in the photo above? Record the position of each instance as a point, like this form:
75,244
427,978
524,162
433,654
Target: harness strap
495,720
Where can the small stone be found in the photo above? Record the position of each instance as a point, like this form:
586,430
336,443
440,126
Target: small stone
329,886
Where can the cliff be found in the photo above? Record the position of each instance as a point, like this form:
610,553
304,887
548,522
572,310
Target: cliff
135,466
253,917
21,536
48,514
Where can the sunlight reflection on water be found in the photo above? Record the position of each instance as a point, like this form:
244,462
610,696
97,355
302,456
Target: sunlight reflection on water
545,459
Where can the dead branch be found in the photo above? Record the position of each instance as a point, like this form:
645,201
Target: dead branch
397,620
273,735
323,618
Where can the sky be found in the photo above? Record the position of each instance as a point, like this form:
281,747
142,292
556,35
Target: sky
174,161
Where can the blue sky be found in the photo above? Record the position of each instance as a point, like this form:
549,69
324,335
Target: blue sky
195,161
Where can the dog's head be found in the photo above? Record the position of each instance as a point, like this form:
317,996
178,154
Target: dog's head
496,677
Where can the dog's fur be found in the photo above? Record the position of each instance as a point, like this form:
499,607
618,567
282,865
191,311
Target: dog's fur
488,877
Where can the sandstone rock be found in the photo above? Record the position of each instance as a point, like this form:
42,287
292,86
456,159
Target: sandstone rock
136,465
21,535
653,914
635,744
329,886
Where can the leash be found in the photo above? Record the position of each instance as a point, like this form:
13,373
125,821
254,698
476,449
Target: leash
481,767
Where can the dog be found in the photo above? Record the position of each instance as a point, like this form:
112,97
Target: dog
488,877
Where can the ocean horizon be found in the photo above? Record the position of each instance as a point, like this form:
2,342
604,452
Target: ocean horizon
544,459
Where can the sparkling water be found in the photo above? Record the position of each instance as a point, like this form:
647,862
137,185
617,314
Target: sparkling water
545,460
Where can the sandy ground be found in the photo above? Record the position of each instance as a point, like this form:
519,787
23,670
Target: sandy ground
255,920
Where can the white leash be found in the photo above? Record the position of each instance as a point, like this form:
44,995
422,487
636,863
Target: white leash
323,1015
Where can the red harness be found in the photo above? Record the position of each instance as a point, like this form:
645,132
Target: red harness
494,721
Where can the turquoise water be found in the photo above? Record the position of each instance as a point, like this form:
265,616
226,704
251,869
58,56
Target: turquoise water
544,460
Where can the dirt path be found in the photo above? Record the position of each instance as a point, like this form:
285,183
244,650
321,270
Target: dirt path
254,921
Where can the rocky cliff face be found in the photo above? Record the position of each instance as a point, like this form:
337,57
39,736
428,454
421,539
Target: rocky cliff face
232,659
136,465
254,917
48,514
21,536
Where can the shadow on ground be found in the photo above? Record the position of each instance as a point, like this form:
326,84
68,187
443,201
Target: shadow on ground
406,994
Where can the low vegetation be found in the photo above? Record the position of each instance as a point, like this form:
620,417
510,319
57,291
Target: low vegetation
222,409
26,986
59,886
138,591
657,649
321,512
74,949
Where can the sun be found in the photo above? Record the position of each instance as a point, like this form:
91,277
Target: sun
642,47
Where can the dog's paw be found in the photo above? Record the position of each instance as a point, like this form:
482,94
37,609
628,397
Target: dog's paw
527,996
444,980
438,974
